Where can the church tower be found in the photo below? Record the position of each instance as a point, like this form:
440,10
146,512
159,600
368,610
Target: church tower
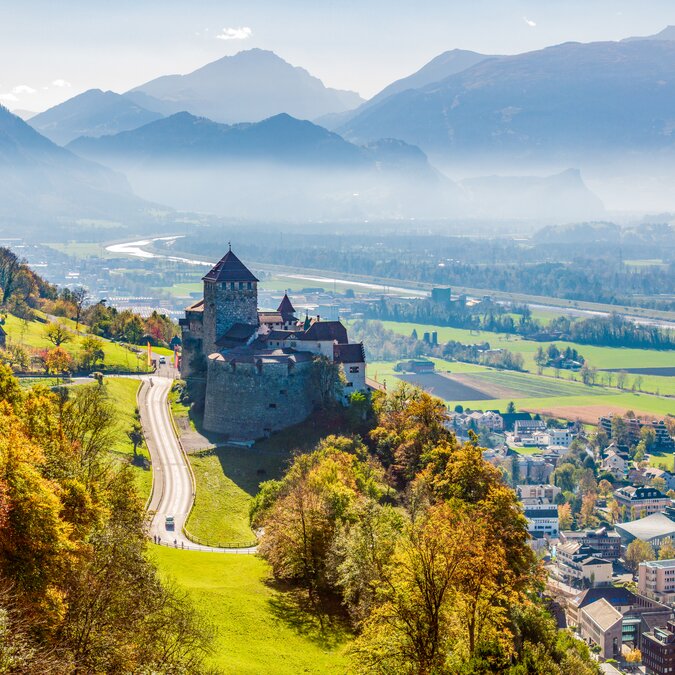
230,297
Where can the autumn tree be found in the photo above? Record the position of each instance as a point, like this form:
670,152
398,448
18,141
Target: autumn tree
135,435
410,423
57,361
565,516
667,549
638,551
57,333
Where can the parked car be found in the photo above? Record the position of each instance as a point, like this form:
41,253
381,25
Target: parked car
162,359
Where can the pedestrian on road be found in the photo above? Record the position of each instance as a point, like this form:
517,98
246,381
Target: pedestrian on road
182,544
175,543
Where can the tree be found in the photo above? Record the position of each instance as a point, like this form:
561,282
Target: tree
58,361
587,516
328,380
79,298
57,333
565,477
605,488
540,357
511,407
648,436
638,551
136,437
621,379
443,595
565,516
91,351
667,550
634,656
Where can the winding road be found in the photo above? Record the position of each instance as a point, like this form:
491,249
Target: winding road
173,490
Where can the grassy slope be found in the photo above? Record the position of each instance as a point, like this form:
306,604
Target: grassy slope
31,335
228,478
122,393
259,629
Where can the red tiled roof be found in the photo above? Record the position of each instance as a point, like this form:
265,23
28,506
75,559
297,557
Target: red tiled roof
321,331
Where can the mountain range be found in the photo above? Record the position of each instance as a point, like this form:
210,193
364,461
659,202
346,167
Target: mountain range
41,181
570,103
92,113
247,87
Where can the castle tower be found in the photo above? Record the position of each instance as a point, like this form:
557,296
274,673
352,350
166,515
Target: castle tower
230,297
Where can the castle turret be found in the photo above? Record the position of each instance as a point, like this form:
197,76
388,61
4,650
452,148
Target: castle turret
230,297
287,311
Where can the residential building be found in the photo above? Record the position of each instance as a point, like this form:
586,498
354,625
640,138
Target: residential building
493,421
658,649
652,529
578,565
443,295
615,464
603,542
641,500
656,579
601,624
542,518
634,425
523,430
651,472
547,492
639,613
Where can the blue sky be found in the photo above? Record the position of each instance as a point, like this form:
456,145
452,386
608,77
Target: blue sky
51,50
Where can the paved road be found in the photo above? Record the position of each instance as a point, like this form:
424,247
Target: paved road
173,491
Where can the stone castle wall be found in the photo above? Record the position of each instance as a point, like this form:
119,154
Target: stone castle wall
223,307
248,402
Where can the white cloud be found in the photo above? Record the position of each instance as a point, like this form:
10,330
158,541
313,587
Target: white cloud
61,83
529,22
241,33
8,97
23,89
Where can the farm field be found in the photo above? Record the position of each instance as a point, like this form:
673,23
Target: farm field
257,622
444,387
531,392
602,358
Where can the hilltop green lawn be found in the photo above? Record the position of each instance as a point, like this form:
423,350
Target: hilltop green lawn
260,628
31,334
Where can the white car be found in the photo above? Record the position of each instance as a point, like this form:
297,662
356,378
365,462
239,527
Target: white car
162,359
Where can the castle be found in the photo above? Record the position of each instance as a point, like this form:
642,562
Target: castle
260,366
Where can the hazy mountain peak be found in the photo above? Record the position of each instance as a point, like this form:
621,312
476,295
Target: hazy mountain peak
249,86
91,113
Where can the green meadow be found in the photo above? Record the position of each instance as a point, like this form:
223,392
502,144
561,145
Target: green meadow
261,627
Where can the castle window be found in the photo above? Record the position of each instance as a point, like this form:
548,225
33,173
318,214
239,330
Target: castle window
353,369
249,286
283,392
241,285
349,384
273,405
231,285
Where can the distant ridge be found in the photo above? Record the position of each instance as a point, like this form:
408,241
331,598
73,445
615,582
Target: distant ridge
92,113
247,87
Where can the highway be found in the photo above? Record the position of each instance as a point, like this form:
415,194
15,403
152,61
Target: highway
173,489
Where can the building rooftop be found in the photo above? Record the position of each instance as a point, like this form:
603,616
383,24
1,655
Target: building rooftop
349,353
603,614
617,596
326,330
652,527
229,268
286,306
661,564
